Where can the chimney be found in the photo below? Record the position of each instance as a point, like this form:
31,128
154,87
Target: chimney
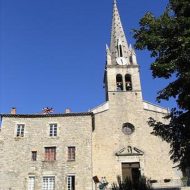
67,110
13,111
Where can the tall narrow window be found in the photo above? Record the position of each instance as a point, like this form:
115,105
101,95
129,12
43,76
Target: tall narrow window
34,155
31,183
119,48
120,51
119,82
131,59
48,183
128,82
50,153
20,130
71,153
71,182
53,130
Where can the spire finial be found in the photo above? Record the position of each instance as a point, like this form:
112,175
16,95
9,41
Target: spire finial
115,1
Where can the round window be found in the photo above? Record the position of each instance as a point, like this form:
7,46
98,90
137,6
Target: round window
128,128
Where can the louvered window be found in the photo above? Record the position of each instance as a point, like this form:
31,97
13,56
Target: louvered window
50,153
71,153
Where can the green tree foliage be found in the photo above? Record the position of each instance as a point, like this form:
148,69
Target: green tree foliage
127,184
167,37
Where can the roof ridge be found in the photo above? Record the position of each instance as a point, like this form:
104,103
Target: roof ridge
48,115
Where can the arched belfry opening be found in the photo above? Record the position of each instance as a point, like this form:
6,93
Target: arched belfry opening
119,82
128,82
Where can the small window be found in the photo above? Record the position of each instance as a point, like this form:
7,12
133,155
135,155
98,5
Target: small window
20,130
128,83
50,153
71,153
53,130
34,155
119,82
31,183
48,183
71,182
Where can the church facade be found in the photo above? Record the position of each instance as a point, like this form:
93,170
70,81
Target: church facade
74,151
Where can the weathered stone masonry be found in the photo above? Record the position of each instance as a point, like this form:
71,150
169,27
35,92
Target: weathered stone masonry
16,164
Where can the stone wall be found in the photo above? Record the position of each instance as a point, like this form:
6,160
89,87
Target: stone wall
108,139
15,152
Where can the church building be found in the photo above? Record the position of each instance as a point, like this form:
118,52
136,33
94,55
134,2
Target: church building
74,151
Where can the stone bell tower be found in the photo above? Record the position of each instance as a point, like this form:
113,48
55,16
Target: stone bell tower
122,71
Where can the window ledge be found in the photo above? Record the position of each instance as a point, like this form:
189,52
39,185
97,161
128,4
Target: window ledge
49,161
18,138
53,137
71,160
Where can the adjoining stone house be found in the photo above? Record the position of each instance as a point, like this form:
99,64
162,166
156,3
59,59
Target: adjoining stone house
72,151
46,149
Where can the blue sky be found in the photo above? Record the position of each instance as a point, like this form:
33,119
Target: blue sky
52,52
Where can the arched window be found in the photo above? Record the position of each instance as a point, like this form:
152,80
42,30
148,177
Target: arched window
128,82
119,82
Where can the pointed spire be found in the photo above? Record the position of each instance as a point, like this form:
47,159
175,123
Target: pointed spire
118,46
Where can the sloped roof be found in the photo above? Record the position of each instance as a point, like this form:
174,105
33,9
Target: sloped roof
47,115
